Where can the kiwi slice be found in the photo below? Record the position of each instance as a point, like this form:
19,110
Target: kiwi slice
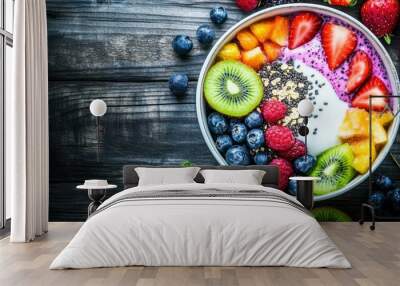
232,88
334,168
323,214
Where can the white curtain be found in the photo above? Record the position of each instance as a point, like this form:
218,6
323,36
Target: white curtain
27,124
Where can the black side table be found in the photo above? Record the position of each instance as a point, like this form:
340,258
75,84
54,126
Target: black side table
97,190
305,190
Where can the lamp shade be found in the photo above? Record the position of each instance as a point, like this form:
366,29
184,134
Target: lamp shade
305,108
98,107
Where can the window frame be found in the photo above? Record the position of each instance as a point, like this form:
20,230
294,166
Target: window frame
6,39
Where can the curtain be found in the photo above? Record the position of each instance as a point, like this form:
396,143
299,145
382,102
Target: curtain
27,123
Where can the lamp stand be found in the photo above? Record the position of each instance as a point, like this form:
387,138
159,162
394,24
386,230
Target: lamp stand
98,137
303,131
367,205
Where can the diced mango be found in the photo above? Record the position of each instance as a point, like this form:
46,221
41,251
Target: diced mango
247,40
230,51
280,33
254,58
262,29
272,50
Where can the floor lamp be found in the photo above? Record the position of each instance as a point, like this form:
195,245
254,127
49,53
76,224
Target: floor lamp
368,206
98,108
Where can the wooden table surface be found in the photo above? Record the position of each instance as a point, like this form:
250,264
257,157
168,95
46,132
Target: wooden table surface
122,53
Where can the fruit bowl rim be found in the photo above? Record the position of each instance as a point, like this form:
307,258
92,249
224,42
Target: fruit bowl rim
289,9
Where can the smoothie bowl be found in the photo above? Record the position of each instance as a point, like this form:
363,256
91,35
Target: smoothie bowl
259,71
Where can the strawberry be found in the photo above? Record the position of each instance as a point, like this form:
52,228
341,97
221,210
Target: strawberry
272,50
280,33
381,17
360,70
247,5
303,29
345,3
338,43
375,86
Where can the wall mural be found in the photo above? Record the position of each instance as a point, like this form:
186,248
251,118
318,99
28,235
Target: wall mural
120,54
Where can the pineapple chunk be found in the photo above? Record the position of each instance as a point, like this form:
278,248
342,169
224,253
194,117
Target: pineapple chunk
355,125
379,133
360,150
384,118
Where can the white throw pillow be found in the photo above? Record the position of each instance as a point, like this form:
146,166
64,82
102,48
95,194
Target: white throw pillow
247,177
166,176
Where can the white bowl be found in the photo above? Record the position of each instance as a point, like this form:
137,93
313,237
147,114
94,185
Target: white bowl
288,9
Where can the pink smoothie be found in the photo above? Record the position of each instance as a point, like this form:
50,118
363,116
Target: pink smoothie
312,54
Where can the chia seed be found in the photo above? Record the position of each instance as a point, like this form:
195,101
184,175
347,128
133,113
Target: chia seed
287,85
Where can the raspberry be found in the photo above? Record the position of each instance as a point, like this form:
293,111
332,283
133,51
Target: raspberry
285,171
279,138
247,5
298,149
273,110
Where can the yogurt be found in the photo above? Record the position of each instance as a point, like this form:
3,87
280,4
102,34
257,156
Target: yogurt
329,111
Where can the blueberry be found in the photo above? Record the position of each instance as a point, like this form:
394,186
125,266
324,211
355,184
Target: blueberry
178,84
377,200
261,158
223,143
239,132
233,122
384,183
292,187
255,138
237,155
205,35
217,123
254,120
395,198
182,45
304,164
218,15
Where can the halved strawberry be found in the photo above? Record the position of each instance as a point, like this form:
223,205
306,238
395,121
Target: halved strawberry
338,43
375,86
254,58
303,29
280,33
272,50
359,71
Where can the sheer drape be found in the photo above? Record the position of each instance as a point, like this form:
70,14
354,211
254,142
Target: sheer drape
27,123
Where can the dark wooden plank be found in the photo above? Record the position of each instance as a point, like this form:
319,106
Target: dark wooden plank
128,40
144,124
131,40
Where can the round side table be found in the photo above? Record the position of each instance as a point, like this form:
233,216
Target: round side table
305,190
96,194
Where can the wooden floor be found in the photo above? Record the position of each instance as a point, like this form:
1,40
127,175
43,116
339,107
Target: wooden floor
375,257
